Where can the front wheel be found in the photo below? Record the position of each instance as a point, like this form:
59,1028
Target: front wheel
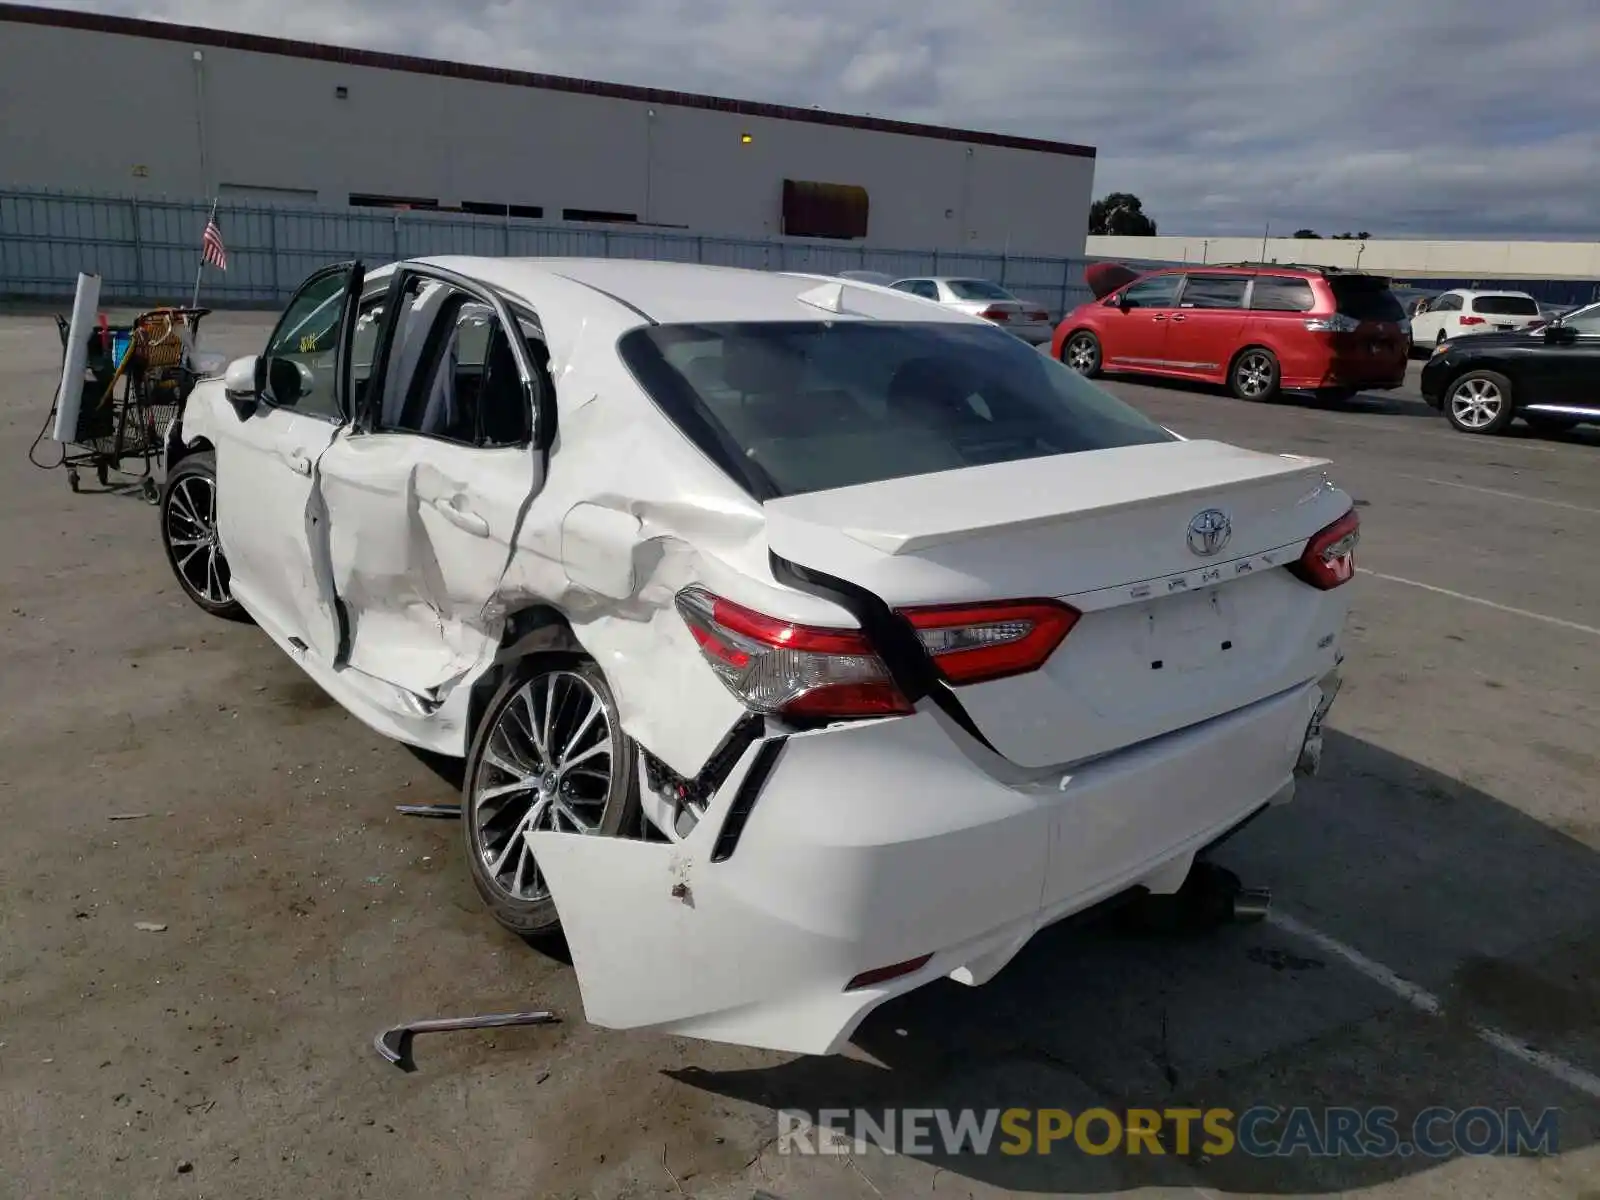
1081,352
549,754
1480,402
189,535
1255,375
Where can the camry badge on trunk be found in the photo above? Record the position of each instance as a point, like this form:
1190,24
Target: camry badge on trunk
1209,532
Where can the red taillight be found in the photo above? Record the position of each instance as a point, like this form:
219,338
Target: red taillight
996,314
975,643
1472,320
807,671
780,667
1039,315
884,974
1329,558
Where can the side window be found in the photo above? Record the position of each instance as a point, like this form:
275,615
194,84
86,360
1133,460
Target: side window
466,387
301,356
1280,293
1446,303
1158,291
369,321
1585,322
1215,291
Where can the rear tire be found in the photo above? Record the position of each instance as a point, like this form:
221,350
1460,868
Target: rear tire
549,754
1480,402
189,536
1081,352
1255,375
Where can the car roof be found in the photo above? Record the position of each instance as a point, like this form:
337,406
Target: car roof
694,293
1290,271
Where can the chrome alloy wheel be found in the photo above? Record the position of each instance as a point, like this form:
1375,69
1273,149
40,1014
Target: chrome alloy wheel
548,765
1253,375
1082,354
191,529
1476,403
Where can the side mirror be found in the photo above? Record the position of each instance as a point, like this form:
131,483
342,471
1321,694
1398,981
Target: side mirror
241,383
1560,334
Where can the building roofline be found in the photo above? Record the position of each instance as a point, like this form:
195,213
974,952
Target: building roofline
259,44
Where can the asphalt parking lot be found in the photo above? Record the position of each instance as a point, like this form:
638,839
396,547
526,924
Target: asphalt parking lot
1437,891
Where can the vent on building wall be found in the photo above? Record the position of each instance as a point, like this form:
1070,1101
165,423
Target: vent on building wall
342,92
826,210
595,214
373,200
484,208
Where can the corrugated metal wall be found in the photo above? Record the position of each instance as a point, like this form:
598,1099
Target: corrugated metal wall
147,251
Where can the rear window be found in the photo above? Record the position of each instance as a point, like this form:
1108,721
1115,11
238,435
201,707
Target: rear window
1280,293
1508,306
1366,298
792,407
977,289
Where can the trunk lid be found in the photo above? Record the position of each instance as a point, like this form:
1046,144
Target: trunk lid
1171,551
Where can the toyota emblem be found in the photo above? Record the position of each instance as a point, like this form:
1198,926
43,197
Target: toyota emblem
1209,532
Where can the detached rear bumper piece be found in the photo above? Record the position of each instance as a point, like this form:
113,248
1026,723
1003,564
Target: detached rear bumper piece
872,858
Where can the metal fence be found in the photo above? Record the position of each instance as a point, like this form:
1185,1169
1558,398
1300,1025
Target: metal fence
147,250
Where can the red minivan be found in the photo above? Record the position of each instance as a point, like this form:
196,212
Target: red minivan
1260,329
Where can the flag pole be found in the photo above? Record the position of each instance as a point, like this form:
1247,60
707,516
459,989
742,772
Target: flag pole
201,269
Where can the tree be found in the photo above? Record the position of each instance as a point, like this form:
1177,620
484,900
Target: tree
1307,233
1121,214
1350,237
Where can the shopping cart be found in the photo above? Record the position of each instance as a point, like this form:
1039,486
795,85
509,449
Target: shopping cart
137,380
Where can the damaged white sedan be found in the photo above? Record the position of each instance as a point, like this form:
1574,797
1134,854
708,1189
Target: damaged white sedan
805,642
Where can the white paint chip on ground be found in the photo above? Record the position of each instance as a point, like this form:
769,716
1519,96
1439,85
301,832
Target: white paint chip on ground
1505,608
1425,1001
149,927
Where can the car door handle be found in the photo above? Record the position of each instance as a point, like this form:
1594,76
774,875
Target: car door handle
1159,317
1180,317
299,461
453,509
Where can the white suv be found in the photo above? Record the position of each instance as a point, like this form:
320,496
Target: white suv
1460,312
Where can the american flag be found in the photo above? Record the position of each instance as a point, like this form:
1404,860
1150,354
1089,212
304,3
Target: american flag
212,249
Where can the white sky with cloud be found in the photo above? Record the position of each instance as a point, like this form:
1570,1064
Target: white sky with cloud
1467,118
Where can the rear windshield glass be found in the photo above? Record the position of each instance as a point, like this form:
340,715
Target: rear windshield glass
1366,298
977,289
1511,306
793,407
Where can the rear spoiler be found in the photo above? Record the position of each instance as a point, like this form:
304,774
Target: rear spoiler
1105,278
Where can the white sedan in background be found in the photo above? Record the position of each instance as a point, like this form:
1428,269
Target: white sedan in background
1461,312
805,642
981,298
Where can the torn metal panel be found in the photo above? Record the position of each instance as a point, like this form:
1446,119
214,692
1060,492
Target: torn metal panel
419,536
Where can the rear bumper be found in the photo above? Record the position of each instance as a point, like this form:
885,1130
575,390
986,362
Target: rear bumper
889,843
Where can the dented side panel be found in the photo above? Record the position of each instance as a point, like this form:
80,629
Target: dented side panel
420,532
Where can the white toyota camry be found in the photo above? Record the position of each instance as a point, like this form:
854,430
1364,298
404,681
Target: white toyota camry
805,642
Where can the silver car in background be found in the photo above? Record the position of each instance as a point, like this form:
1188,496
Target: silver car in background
982,298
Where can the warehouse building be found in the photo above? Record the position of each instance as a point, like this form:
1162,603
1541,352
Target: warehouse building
105,104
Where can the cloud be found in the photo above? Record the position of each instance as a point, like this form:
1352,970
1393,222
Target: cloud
1467,119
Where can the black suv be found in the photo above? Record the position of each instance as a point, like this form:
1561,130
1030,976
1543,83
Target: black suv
1549,376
